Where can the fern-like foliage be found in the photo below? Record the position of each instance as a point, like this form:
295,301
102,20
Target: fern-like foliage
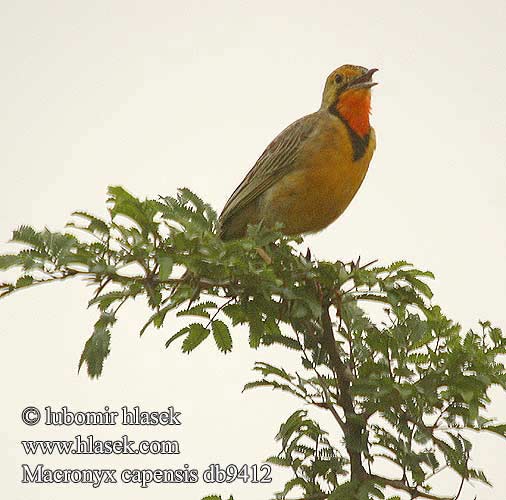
401,381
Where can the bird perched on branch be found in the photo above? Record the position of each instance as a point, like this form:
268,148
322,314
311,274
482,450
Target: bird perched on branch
311,171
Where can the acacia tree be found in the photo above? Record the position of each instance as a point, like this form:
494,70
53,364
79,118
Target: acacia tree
402,387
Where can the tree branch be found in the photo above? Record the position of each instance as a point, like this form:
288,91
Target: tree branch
353,429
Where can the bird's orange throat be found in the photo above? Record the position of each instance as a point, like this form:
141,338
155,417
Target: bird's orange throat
354,106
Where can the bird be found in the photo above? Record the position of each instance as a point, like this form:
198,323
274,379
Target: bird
310,172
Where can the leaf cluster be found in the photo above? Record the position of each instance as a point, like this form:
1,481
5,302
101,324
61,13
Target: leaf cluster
402,382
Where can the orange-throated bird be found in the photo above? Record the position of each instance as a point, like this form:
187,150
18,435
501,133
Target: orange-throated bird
310,172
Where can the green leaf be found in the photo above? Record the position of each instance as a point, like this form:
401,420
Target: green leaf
174,337
195,337
421,287
280,461
95,225
129,206
198,310
7,261
291,484
157,318
281,340
96,348
256,330
23,281
497,429
495,335
166,264
257,383
236,313
222,336
268,369
106,299
28,236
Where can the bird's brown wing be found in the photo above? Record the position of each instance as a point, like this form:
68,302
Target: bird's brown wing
278,159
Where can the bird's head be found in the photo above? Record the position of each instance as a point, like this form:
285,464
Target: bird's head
347,94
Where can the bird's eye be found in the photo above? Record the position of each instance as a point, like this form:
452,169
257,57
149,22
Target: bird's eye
338,79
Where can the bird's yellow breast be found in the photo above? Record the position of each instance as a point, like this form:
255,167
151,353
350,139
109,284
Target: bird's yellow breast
315,194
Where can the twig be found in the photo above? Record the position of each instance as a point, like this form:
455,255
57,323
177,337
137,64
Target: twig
101,287
369,264
460,488
400,485
219,310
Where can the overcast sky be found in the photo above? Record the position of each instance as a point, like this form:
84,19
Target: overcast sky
155,95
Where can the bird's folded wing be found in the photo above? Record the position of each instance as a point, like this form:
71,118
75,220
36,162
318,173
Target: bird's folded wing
277,160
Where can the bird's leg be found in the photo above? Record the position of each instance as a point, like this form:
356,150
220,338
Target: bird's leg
264,255
260,251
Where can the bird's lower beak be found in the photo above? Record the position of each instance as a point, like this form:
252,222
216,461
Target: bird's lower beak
364,81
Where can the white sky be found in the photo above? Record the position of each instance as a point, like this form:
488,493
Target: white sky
157,95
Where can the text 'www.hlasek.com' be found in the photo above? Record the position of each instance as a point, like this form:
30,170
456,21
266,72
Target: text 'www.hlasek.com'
86,443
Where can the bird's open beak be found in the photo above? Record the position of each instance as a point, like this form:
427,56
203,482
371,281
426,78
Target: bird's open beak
364,81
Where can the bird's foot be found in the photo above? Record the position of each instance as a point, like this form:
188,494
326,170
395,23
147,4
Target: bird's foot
264,256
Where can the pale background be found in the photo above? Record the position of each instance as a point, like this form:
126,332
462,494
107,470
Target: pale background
156,95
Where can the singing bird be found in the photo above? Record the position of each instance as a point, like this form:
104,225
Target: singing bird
311,171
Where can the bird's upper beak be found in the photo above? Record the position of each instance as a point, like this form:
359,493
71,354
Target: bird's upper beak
363,81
